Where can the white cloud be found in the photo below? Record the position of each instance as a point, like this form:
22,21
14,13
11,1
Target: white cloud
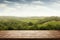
25,10
37,2
55,5
3,5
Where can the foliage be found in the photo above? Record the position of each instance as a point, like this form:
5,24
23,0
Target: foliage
45,23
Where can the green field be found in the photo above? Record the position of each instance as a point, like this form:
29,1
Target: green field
29,23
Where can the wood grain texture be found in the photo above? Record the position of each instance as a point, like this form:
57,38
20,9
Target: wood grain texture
30,34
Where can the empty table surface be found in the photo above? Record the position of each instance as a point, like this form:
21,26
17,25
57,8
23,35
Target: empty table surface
29,34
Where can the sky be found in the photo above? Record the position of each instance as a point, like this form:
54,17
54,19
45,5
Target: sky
28,8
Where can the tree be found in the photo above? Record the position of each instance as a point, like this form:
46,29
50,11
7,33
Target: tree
30,23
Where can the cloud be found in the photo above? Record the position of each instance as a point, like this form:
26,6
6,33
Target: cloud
19,1
24,8
28,10
55,5
2,1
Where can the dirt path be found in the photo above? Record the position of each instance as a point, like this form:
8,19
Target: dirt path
30,34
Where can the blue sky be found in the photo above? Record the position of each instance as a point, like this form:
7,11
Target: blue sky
25,8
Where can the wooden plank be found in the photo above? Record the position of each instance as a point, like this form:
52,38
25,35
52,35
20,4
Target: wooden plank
30,34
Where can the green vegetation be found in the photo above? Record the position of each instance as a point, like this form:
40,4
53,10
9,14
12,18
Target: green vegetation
29,23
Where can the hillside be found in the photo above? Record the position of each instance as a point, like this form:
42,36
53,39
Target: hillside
29,23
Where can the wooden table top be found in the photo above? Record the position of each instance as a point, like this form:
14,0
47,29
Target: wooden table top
30,34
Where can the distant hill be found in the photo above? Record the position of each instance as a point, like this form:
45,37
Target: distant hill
29,23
